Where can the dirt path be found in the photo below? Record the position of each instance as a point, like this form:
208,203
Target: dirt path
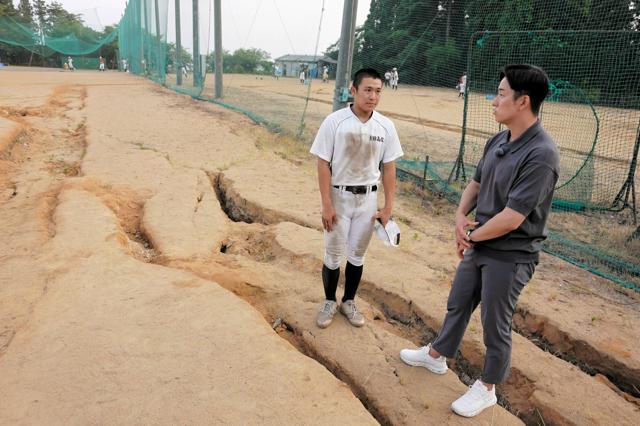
161,267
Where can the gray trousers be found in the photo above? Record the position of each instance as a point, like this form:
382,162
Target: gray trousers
497,285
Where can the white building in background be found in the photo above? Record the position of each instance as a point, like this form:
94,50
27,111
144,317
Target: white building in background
291,65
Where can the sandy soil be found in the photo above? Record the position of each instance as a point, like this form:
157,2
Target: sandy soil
160,266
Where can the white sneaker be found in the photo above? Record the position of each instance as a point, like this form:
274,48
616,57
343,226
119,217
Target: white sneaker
327,311
349,310
421,358
475,400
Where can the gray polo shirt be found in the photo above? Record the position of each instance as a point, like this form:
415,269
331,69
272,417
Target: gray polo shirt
519,174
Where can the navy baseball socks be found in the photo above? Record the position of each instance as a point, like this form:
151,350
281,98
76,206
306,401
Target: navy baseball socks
329,306
352,276
330,282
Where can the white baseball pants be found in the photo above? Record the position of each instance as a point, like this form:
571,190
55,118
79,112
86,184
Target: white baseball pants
355,213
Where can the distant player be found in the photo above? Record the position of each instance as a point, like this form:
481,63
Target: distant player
353,145
70,63
102,63
387,78
325,74
462,85
301,76
394,78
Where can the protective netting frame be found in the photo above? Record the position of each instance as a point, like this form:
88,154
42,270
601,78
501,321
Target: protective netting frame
14,32
572,195
142,38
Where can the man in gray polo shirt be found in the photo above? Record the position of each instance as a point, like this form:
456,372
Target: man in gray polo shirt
511,191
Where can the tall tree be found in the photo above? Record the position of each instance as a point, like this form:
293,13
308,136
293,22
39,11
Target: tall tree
25,11
6,8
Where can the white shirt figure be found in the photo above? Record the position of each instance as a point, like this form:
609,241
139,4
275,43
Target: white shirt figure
394,79
343,140
462,85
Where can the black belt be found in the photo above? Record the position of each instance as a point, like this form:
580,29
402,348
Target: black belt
358,189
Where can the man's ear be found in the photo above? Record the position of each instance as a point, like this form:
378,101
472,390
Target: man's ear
353,90
524,102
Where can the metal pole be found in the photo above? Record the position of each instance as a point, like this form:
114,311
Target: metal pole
196,45
352,38
146,32
217,13
178,62
342,73
140,59
158,47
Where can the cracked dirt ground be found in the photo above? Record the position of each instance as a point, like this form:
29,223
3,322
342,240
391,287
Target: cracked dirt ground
159,265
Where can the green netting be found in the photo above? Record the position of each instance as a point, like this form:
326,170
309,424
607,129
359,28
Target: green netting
589,49
593,113
142,38
151,46
81,62
21,34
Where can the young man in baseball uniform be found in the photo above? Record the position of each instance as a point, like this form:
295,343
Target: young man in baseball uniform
353,146
511,190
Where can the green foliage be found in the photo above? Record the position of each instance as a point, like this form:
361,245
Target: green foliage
428,40
6,8
185,58
244,61
439,57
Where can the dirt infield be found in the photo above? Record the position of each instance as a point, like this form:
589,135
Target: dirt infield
160,265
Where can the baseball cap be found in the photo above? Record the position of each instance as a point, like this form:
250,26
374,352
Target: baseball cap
389,234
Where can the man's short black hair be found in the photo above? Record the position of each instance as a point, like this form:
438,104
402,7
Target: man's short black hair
528,80
365,72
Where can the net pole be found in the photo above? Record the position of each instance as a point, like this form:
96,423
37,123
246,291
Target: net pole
158,47
217,16
145,59
178,63
342,73
352,38
139,64
629,187
196,45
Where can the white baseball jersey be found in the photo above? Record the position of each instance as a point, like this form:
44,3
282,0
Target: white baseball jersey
356,149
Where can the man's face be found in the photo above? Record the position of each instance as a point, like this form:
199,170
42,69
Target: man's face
505,105
367,95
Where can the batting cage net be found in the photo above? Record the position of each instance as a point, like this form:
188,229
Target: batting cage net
52,44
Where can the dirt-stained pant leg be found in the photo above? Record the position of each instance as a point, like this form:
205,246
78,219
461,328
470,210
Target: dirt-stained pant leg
355,214
362,225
